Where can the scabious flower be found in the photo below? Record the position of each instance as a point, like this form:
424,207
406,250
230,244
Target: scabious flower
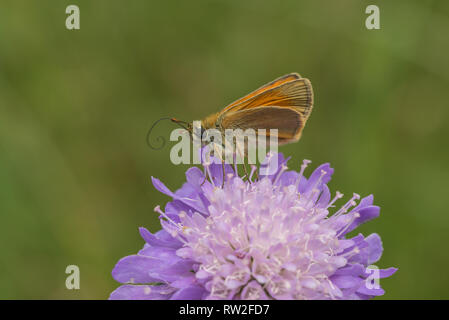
270,237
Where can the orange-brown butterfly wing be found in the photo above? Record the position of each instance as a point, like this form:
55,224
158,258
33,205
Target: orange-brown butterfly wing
297,94
275,83
286,120
285,107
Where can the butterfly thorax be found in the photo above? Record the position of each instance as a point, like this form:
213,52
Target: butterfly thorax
210,122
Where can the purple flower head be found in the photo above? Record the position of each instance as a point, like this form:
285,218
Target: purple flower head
276,236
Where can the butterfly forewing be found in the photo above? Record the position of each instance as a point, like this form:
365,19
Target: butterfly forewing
273,84
297,94
285,107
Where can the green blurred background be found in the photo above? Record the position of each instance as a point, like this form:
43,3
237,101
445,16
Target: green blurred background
75,107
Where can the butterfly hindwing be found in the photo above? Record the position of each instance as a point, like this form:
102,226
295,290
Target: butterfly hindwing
288,122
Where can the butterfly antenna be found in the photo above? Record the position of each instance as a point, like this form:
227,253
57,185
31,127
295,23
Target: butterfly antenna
160,138
182,124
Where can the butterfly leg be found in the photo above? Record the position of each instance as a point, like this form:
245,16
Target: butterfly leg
224,173
246,172
256,175
241,153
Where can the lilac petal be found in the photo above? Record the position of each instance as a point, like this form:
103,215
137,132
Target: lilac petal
370,292
195,203
355,269
365,202
385,273
363,255
164,236
288,178
176,271
140,292
181,196
315,176
161,187
162,253
345,244
360,296
366,214
350,294
156,241
194,292
375,248
205,203
183,282
195,177
135,269
174,217
345,282
176,206
325,197
271,165
216,172
188,191
358,241
168,226
303,183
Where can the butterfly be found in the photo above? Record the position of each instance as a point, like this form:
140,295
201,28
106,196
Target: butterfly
283,104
